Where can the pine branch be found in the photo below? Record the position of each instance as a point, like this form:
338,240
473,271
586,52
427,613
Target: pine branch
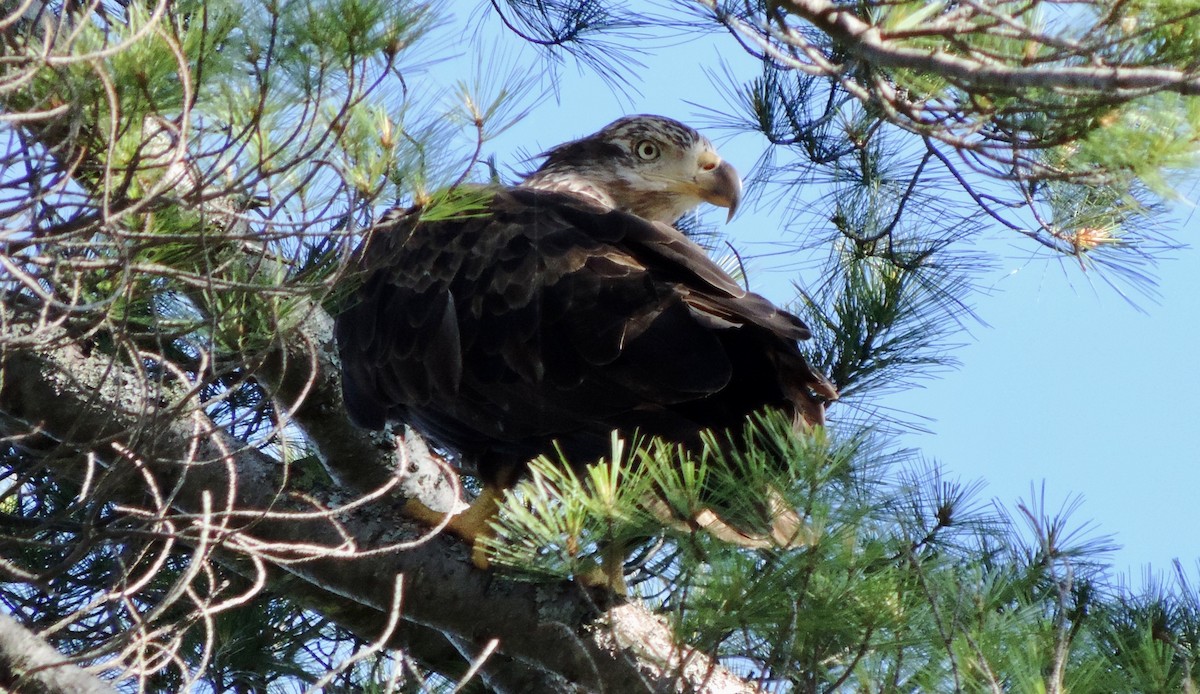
431,648
30,665
871,43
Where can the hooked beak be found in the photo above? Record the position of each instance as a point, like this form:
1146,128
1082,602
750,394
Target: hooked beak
721,186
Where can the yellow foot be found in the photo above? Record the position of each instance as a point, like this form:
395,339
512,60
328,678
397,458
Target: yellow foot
611,572
472,524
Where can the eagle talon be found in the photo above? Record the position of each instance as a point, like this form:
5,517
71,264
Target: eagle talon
474,524
479,556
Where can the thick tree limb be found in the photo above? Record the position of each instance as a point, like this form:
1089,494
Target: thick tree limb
29,665
432,649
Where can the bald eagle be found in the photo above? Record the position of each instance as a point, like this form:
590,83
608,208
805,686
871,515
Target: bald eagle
567,308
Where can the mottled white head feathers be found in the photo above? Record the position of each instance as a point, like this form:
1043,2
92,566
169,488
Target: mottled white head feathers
654,167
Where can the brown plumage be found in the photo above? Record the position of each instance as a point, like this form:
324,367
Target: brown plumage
569,308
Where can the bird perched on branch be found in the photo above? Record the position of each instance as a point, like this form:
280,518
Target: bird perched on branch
564,308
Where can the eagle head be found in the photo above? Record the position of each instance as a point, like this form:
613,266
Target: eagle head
654,167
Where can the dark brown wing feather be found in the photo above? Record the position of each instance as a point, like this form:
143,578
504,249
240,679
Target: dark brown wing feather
547,319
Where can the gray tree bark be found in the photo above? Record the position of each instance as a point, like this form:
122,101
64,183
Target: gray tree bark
29,665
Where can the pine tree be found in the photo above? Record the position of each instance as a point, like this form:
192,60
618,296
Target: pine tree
187,507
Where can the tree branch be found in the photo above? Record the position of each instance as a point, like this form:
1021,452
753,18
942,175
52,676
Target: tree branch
866,42
29,665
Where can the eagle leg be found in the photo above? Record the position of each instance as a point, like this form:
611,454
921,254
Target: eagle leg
472,524
610,574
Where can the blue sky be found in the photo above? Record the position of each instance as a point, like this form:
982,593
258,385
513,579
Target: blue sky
1071,386
1066,385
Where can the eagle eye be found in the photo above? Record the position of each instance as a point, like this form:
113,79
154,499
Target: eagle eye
647,150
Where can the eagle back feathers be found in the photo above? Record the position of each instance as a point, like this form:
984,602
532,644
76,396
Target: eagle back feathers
550,318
